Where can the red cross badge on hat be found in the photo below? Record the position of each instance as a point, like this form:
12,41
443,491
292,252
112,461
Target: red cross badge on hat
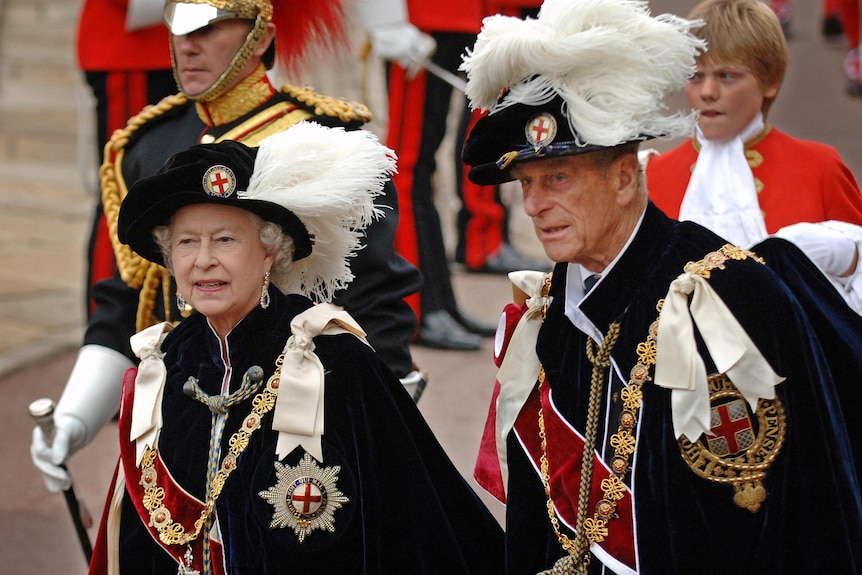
541,129
219,181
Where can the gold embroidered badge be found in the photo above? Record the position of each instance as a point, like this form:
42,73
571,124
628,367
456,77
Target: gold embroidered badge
742,444
305,497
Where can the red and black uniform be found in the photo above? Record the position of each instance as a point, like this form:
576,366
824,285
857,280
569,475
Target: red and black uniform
418,112
797,180
126,70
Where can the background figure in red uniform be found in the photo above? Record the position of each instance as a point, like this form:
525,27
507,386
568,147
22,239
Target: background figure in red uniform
483,220
123,51
742,177
419,107
850,15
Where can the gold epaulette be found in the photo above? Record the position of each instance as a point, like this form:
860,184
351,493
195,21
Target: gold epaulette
715,260
136,271
345,110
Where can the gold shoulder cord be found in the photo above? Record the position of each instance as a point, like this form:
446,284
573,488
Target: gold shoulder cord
589,530
136,271
345,110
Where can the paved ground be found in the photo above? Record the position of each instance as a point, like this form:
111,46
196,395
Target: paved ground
45,207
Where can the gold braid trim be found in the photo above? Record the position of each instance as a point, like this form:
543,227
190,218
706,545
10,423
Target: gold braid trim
345,110
133,268
136,271
273,120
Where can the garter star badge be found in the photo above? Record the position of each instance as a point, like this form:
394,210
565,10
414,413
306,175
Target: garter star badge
741,445
304,497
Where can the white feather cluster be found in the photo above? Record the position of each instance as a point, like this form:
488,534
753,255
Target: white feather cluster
328,178
611,62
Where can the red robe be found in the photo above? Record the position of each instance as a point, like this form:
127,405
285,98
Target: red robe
796,180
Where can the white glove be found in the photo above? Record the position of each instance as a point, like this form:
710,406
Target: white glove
144,13
393,37
415,382
91,397
832,251
645,155
404,44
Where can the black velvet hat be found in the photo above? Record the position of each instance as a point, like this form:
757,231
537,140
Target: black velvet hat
583,76
520,133
203,174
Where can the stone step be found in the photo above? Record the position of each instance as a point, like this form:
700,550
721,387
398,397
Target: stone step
45,184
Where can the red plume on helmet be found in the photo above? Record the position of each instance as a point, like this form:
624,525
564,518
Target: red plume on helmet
306,28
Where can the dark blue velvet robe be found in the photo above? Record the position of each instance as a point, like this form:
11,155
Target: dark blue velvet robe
811,521
409,509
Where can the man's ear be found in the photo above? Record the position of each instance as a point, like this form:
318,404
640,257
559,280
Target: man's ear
627,170
268,37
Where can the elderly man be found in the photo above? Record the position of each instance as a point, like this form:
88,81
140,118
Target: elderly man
663,406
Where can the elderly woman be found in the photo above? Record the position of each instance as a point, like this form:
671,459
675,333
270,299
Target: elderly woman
263,434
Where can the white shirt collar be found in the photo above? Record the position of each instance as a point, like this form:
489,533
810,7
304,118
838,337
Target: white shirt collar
575,274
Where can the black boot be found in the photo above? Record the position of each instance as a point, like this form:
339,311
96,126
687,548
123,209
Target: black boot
473,325
508,259
439,329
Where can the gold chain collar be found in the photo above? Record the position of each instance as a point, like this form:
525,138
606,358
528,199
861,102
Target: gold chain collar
595,529
172,532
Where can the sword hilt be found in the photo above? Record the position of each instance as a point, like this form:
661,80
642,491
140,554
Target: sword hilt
42,410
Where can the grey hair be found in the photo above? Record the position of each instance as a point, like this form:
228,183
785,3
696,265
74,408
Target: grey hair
273,239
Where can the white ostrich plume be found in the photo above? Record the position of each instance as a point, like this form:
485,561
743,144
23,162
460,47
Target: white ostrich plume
328,178
611,62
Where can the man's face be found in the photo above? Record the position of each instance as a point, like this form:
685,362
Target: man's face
203,55
727,96
575,208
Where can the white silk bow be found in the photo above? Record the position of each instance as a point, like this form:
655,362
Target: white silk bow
520,368
298,415
679,366
149,387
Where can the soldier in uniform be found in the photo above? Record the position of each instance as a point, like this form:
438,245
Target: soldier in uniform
125,56
221,52
665,404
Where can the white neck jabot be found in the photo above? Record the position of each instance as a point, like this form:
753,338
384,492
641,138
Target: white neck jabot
721,194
